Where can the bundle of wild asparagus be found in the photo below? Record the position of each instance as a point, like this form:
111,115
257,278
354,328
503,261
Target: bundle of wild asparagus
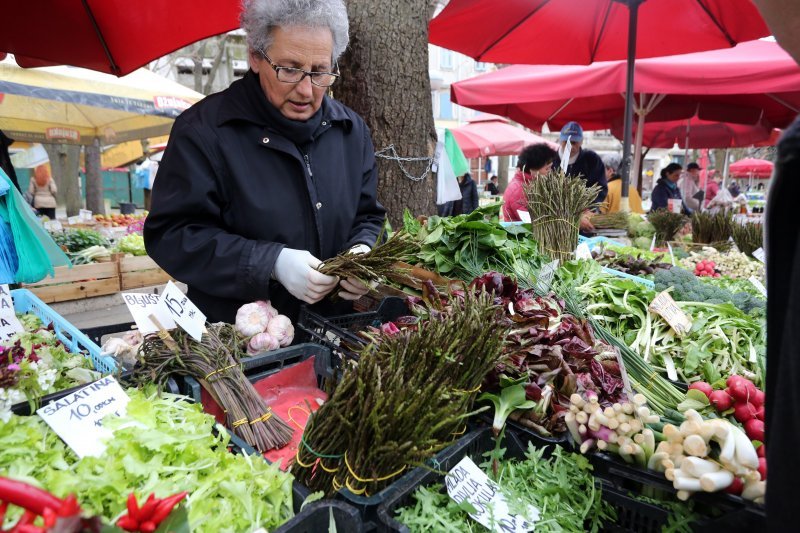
666,223
556,203
748,237
406,399
610,221
714,229
374,265
214,362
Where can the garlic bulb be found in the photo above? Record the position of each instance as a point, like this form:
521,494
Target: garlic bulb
262,342
252,319
282,329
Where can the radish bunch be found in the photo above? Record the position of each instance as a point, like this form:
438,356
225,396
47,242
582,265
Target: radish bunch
706,268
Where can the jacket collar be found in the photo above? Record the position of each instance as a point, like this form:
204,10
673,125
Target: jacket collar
235,107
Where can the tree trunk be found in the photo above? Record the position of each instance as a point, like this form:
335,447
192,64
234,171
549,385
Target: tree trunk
220,43
385,80
64,164
197,58
502,172
94,180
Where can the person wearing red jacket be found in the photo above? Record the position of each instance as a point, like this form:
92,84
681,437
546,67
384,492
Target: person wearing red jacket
535,159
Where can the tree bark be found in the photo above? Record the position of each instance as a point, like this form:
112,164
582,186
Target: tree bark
502,172
220,42
94,180
385,80
64,164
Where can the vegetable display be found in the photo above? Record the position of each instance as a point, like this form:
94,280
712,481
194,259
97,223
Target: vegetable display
556,203
732,264
132,243
163,446
610,221
748,237
666,223
630,264
686,287
713,229
75,240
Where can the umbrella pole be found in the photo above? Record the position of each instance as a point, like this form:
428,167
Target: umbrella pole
633,10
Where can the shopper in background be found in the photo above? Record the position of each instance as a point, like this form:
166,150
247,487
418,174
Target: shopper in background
469,196
689,184
535,159
492,187
612,202
262,181
666,189
43,191
712,189
582,162
783,283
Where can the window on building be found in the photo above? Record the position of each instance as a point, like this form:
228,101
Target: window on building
481,66
445,105
445,58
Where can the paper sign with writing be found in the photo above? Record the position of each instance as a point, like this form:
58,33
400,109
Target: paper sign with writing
665,306
9,324
74,220
758,285
53,225
674,205
583,251
524,216
546,275
760,255
78,417
466,483
142,305
183,311
85,214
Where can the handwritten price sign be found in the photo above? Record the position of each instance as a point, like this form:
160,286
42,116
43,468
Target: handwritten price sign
183,311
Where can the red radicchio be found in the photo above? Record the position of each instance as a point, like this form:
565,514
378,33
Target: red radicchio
495,283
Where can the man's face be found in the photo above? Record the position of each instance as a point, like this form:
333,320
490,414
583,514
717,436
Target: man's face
300,47
695,174
576,145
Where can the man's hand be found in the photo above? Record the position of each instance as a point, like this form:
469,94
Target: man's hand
297,271
352,289
586,223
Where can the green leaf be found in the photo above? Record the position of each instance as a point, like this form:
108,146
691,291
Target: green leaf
435,236
690,404
698,396
176,522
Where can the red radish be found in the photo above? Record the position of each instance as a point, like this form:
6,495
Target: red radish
754,429
757,398
762,468
721,400
739,391
751,389
761,413
703,387
716,275
761,451
736,487
733,378
744,412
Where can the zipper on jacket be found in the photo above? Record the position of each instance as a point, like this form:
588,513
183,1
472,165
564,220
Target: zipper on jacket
308,166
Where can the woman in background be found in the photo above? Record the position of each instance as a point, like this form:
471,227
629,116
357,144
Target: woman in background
43,190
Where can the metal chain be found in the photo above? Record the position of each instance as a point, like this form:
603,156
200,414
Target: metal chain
392,156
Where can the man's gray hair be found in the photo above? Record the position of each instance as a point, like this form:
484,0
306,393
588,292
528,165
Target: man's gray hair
260,17
612,161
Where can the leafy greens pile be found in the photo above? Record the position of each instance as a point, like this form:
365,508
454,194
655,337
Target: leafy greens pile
163,445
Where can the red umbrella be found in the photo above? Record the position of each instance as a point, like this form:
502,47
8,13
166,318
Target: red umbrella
569,32
489,135
698,133
756,168
112,36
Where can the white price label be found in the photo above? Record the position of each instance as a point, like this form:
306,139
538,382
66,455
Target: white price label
674,205
546,275
142,305
9,324
85,214
760,255
583,251
74,220
53,225
78,417
758,285
183,311
467,483
665,306
671,255
524,216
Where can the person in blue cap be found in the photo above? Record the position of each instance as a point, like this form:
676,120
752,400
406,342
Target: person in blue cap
583,163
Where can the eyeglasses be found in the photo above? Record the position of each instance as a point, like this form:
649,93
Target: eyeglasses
296,75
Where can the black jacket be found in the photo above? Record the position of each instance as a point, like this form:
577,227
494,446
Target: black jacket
469,197
590,167
231,192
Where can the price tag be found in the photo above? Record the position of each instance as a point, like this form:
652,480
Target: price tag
524,216
665,306
467,483
674,205
760,255
546,275
653,243
78,417
74,220
671,255
9,324
183,311
758,285
142,305
583,251
85,214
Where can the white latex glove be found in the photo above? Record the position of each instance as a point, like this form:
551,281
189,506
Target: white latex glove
297,271
352,289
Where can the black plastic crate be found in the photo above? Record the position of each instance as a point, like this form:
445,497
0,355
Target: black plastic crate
96,334
316,517
525,433
340,333
632,515
715,509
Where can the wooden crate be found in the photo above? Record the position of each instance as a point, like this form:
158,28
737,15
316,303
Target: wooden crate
80,281
142,271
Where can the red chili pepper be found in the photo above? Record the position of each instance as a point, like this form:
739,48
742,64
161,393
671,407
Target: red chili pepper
127,523
27,518
146,510
70,507
147,527
50,518
133,508
165,506
26,496
29,528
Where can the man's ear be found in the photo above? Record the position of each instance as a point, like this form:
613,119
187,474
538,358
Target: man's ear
253,58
